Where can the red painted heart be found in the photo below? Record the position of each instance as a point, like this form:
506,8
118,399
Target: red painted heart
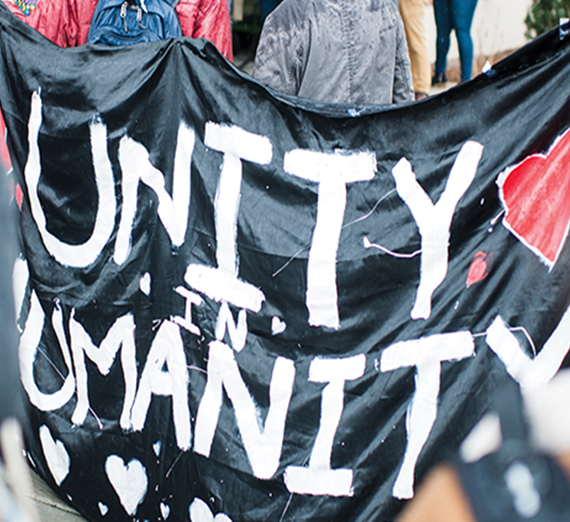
479,268
536,197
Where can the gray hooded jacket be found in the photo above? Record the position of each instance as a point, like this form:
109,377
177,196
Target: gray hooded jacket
342,51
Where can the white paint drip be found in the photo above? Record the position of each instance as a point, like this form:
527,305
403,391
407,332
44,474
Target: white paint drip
103,508
20,278
164,510
367,244
156,448
278,326
144,283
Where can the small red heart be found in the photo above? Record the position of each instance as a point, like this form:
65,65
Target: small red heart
480,267
536,197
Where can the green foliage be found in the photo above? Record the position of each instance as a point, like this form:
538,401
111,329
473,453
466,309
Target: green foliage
544,15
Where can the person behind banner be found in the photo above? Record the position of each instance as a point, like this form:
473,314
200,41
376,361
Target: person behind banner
412,12
458,15
66,22
333,51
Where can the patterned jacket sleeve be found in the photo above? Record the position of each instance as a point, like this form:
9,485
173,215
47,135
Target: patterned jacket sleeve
281,50
403,83
63,22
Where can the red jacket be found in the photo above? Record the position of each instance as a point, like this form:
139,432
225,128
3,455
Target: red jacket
66,22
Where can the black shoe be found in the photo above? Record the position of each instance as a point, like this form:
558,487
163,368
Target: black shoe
438,78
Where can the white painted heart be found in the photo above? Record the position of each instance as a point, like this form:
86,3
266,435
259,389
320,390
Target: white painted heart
156,448
56,455
277,325
200,512
129,482
144,284
103,508
164,510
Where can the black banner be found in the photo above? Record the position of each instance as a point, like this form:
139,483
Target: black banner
237,306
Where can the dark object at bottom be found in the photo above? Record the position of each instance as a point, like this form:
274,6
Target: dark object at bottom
438,78
516,483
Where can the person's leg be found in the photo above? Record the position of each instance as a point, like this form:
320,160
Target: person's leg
443,22
412,12
462,12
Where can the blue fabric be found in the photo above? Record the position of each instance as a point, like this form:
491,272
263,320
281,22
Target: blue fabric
115,22
458,15
266,6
